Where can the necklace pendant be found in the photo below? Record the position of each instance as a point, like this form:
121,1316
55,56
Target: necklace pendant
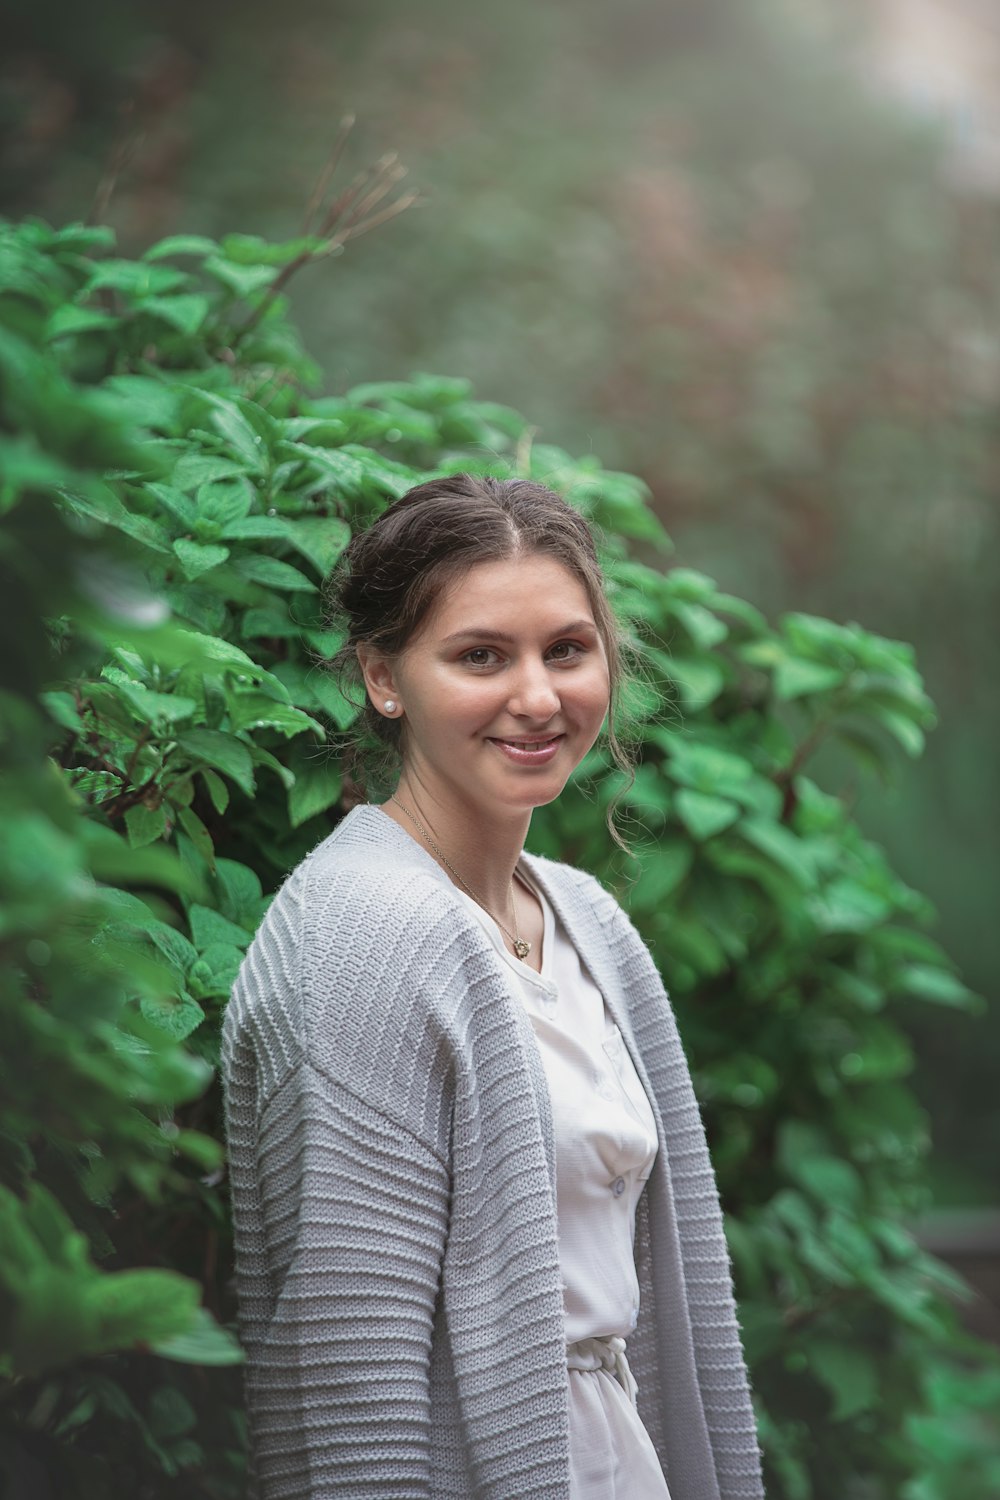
521,948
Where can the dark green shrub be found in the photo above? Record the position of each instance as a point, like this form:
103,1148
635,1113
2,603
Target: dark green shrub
172,500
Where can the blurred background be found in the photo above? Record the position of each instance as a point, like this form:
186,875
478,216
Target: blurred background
743,248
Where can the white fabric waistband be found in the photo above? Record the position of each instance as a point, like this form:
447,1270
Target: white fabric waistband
604,1354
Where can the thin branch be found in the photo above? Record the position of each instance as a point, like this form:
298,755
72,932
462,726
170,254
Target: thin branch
340,205
401,204
349,216
384,175
324,178
125,146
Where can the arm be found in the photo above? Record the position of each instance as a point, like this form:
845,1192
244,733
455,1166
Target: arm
354,1214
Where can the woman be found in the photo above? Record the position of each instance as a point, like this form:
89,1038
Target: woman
467,1163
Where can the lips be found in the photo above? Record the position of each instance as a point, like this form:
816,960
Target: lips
529,752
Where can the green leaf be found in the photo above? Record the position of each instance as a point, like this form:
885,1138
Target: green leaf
145,825
707,768
849,1373
232,424
152,708
105,507
224,500
781,845
203,1342
324,691
705,629
256,711
180,244
196,559
223,751
273,572
140,1307
197,833
194,469
795,678
170,1413
704,815
829,1179
939,986
700,680
113,861
209,650
847,906
186,311
62,708
209,927
177,1016
321,539
243,280
667,865
240,898
68,318
134,278
217,790
258,528
175,502
317,787
213,975
273,621
173,945
902,728
144,400
252,250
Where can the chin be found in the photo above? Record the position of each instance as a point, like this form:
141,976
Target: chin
538,796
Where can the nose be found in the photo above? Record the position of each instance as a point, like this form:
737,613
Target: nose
533,693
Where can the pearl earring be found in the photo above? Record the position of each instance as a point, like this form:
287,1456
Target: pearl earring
390,705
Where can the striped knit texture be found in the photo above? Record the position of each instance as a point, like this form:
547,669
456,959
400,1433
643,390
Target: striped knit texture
390,1149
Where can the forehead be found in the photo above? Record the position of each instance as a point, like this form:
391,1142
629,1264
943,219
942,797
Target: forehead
533,590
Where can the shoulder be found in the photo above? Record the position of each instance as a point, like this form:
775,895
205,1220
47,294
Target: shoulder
365,902
362,961
371,872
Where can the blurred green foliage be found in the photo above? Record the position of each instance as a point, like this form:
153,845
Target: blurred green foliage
172,498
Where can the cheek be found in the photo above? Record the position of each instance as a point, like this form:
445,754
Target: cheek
598,692
452,704
590,709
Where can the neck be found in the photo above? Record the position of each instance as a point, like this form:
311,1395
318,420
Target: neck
483,850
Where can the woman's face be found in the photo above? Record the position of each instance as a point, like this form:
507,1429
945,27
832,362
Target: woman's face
504,688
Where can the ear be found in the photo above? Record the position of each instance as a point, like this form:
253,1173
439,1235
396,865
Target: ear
380,680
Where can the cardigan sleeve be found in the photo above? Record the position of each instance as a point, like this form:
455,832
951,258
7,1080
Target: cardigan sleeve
354,1211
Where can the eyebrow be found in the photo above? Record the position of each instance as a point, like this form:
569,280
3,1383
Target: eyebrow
487,633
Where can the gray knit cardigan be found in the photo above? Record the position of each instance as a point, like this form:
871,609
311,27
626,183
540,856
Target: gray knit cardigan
391,1162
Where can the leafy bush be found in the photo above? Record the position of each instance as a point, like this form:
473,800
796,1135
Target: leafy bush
172,500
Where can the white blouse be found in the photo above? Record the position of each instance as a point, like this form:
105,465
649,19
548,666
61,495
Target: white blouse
605,1141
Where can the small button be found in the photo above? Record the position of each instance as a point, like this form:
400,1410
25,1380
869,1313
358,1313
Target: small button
618,1186
607,1090
635,1316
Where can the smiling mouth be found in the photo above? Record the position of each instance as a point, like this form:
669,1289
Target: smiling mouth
540,744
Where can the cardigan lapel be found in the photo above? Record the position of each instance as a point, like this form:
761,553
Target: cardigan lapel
692,1473
590,941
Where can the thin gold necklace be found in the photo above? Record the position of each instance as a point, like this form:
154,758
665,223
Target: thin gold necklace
521,946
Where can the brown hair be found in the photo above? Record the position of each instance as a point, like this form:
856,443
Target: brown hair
392,573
